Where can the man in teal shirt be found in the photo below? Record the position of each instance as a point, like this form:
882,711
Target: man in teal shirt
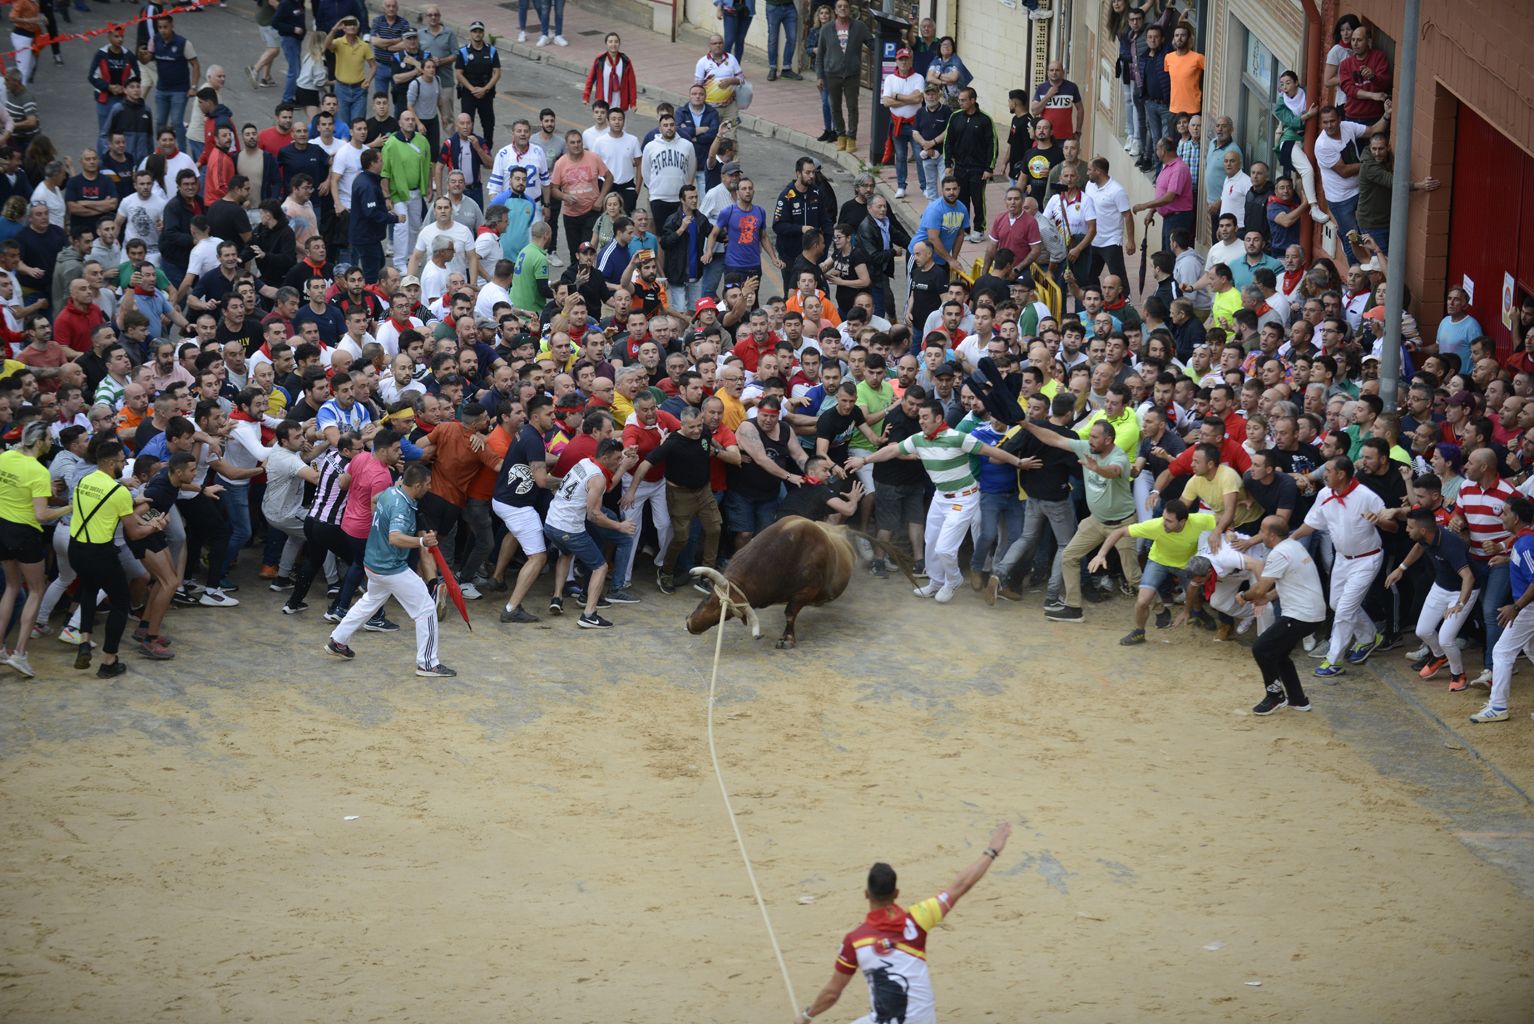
386,558
406,174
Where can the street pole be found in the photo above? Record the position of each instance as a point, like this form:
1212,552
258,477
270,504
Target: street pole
1404,112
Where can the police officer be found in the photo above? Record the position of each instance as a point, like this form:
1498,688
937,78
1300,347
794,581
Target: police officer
478,71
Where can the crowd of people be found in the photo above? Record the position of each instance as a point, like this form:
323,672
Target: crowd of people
326,340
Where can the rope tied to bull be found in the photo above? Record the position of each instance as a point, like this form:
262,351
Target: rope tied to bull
726,600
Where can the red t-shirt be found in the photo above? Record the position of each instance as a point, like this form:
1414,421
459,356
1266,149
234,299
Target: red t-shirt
1019,235
369,477
647,439
1231,454
724,437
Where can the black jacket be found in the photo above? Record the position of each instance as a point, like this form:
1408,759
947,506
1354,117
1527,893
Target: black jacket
675,250
176,230
871,240
971,142
794,211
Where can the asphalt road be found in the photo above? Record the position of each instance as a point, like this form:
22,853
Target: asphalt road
228,37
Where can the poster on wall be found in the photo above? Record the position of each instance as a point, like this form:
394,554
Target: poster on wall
1508,288
1469,287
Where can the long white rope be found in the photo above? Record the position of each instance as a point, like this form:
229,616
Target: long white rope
772,936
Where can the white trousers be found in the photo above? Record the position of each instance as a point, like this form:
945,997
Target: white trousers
948,520
1351,578
405,233
1224,600
1519,636
1440,631
653,493
410,591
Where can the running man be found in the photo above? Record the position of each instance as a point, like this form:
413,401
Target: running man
387,562
890,946
1457,583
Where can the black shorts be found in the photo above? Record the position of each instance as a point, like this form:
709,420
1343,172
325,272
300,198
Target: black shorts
20,543
435,512
305,97
895,505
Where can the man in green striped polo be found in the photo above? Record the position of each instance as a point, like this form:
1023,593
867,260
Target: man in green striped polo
944,454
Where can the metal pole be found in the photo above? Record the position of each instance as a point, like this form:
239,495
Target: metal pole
1404,112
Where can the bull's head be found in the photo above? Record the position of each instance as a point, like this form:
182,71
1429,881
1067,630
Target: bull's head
710,610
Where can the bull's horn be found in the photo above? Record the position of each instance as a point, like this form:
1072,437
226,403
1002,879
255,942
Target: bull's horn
714,575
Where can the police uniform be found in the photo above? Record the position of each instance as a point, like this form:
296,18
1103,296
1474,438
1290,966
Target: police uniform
477,66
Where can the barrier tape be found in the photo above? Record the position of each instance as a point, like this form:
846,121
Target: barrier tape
41,42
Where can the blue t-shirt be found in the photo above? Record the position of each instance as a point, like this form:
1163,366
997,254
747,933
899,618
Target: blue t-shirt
1521,565
743,228
1456,337
394,512
520,212
949,219
993,477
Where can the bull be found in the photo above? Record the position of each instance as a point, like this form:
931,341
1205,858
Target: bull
795,562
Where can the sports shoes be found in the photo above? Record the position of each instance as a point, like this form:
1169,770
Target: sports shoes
339,650
593,621
1484,679
155,650
333,615
470,592
561,41
944,595
556,606
878,569
1432,667
1134,636
228,586
1270,703
664,583
1390,643
293,609
438,595
117,668
184,599
1489,714
900,192
280,584
792,76
20,663
39,631
1008,594
703,587
1054,604
928,590
993,590
518,615
1064,614
772,74
214,597
1319,215
1420,654
83,655
489,585
250,73
437,671
603,602
556,260
919,569
1459,683
267,572
1163,618
1037,15
977,236
1223,632
1300,707
521,37
623,595
1317,646
542,41
1360,652
1327,670
379,624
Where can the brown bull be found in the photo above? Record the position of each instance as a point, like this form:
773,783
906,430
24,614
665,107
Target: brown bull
795,562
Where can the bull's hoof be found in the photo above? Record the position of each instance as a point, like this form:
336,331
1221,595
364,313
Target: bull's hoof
785,644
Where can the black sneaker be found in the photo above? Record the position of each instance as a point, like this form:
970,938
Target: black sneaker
1134,636
624,595
294,609
83,655
281,584
184,599
556,606
1065,613
772,74
665,584
1390,643
117,668
593,621
1096,595
919,569
339,650
379,624
603,602
490,585
518,615
333,615
333,591
877,569
1163,618
792,76
1271,702
437,671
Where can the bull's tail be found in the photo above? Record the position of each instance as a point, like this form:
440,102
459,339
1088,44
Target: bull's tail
896,555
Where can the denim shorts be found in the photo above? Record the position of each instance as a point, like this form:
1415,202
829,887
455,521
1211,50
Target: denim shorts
747,515
578,545
1157,575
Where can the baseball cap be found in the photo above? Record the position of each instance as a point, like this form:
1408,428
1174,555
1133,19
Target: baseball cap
478,26
946,370
1371,357
586,247
902,52
932,87
408,280
410,34
730,168
705,303
1463,398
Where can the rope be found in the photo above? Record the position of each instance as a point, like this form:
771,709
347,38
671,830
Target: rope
725,601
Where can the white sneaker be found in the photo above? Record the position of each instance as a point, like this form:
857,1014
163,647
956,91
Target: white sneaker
561,41
944,595
555,260
1481,717
1318,646
977,236
1418,654
470,592
521,37
71,636
1243,626
1319,215
900,193
542,41
1484,679
928,590
215,598
20,663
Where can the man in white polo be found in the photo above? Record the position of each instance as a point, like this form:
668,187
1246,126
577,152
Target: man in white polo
1115,236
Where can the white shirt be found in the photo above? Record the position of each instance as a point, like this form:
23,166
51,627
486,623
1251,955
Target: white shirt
488,245
589,135
1233,196
714,200
462,242
618,152
391,390
1298,585
1343,520
204,257
489,295
434,281
894,85
284,497
142,219
667,167
53,199
346,165
1228,253
1329,152
1070,216
1111,203
174,166
388,334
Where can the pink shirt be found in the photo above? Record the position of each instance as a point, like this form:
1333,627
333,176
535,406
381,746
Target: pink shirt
1175,179
369,477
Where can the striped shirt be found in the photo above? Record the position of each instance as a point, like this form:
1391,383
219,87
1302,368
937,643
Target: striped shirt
329,499
332,415
945,458
1482,509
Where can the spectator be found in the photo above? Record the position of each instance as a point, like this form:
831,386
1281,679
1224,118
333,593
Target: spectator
1154,90
970,152
948,71
1337,154
177,72
720,75
1185,69
1058,101
612,78
782,15
838,71
1292,113
1363,78
929,131
902,94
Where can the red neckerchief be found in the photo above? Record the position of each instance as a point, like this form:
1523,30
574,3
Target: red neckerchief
1291,280
936,433
241,416
1523,533
486,231
605,474
814,481
1120,304
886,919
428,427
144,291
407,325
1338,496
318,268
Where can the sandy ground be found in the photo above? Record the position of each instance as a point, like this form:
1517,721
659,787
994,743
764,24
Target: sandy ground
541,839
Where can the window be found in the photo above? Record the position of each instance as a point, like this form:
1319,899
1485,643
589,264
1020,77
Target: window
1255,123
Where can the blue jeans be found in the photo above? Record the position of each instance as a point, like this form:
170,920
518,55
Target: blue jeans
383,80
1496,593
996,508
351,102
170,109
370,257
586,548
786,17
542,11
735,28
825,112
929,173
552,10
1381,237
1345,213
713,273
236,502
102,110
1155,128
902,154
1060,516
1159,577
292,52
746,515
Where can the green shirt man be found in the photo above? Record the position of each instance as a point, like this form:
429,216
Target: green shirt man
406,165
